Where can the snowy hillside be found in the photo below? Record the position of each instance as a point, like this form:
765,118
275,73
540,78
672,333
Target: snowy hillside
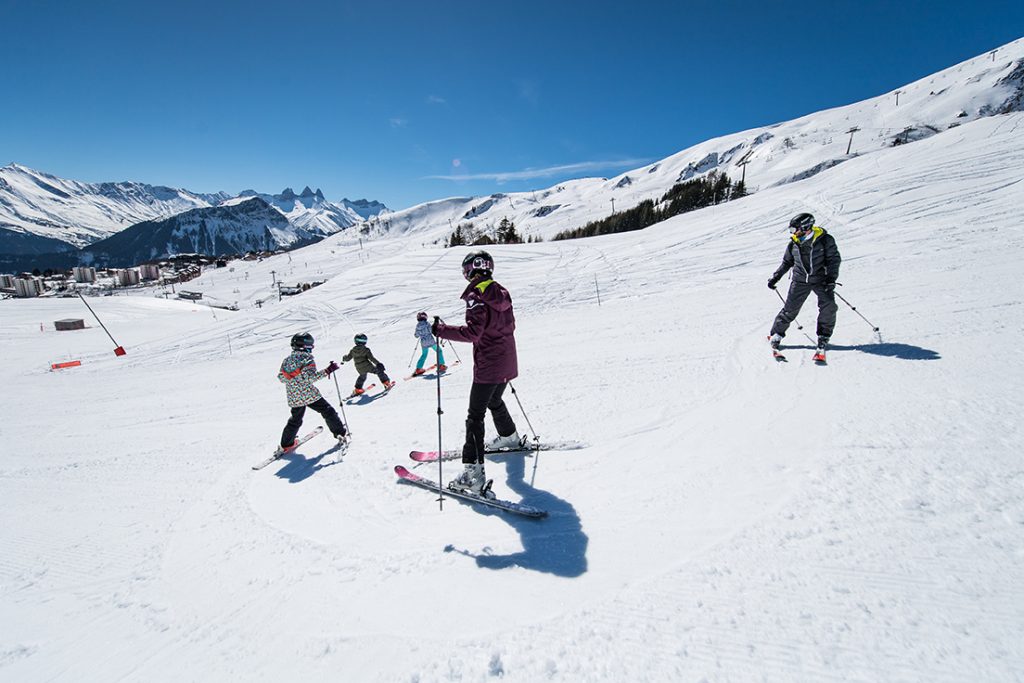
773,155
731,519
43,205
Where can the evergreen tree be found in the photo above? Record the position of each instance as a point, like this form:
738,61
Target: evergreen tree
457,238
507,233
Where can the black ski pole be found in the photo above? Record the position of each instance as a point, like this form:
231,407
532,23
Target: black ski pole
536,439
452,347
854,308
795,321
440,450
341,403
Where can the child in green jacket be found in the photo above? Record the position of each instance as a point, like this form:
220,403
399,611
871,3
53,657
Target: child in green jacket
365,364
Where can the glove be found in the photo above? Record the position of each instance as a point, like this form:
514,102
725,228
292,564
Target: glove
331,368
830,287
380,367
435,326
772,281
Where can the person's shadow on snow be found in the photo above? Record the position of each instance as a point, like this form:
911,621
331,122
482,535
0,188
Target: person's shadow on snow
890,350
299,468
555,544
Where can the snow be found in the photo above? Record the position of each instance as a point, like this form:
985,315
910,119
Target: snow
733,518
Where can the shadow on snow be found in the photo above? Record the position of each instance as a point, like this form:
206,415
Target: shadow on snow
891,350
299,468
554,545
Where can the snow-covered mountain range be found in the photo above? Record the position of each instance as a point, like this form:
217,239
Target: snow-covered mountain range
43,214
311,212
33,203
234,227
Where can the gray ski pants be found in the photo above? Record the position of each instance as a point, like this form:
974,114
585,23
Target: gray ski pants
798,293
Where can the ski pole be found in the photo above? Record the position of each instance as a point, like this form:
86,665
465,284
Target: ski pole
452,347
440,450
795,321
536,439
413,354
528,424
854,308
341,403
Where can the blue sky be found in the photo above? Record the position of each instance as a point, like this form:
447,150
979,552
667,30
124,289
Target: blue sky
410,101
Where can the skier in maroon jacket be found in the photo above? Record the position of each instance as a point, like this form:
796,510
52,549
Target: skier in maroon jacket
490,327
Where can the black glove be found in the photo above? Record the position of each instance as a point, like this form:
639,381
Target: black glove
380,367
437,323
772,281
331,368
830,287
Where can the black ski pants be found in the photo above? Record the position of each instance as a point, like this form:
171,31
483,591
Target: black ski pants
484,397
379,371
798,293
321,406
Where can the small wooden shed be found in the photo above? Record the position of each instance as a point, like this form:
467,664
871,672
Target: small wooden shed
69,324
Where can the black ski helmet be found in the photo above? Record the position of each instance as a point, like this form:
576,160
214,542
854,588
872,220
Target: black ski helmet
302,342
421,316
477,262
802,222
360,339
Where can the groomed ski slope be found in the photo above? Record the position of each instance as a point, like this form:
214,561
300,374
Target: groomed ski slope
733,519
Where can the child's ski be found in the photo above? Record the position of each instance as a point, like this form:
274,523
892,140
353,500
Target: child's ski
447,369
355,395
819,357
281,451
506,505
417,374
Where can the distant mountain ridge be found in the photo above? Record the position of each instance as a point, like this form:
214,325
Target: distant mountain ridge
36,203
42,216
232,228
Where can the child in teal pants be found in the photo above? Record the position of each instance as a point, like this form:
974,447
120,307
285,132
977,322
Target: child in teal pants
427,342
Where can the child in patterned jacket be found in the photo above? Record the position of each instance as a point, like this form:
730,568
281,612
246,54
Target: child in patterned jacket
298,372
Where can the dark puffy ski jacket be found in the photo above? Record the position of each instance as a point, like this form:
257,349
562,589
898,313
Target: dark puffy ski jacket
490,327
815,261
363,357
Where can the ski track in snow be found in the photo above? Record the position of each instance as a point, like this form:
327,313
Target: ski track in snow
733,518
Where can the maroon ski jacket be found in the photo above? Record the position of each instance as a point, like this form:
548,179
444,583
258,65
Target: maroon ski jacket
490,327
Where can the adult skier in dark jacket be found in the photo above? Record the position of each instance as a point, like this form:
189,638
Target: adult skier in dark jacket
814,257
490,327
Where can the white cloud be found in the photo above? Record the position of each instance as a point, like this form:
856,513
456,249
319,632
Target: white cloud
529,173
398,122
434,99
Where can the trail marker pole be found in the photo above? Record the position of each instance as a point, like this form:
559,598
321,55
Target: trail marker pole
118,350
